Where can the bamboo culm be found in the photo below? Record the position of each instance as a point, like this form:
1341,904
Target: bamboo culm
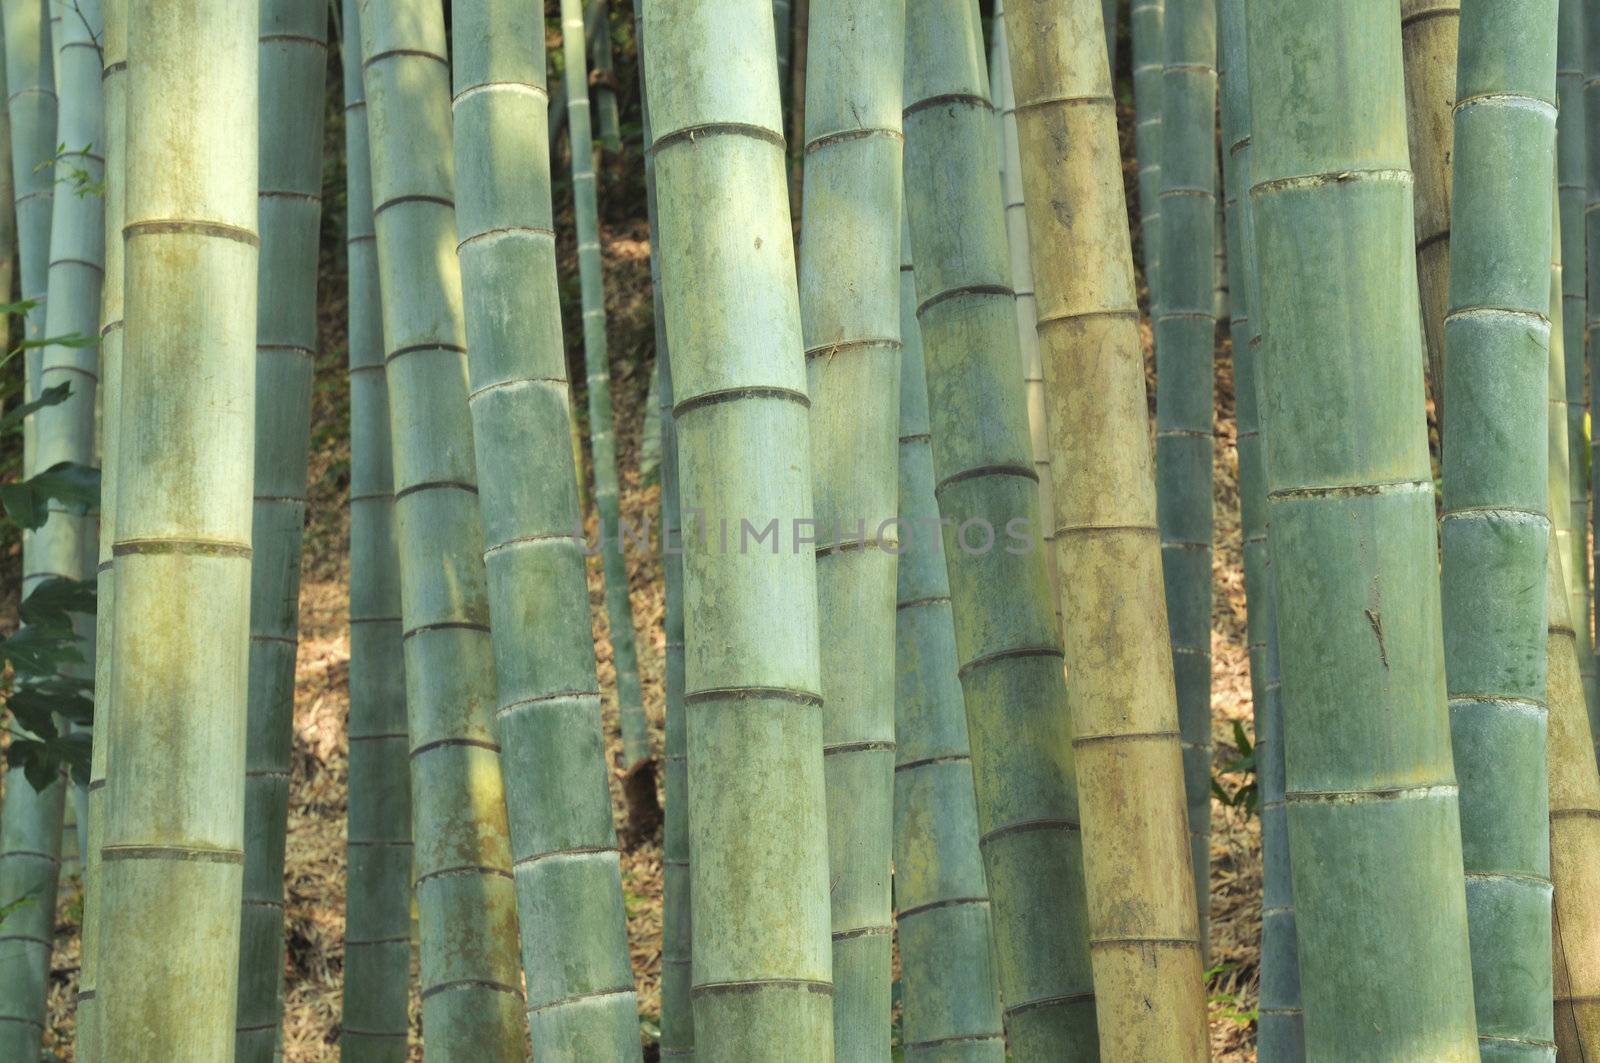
1147,23
1185,333
1008,650
1590,17
605,81
462,862
1494,532
581,1003
1370,791
377,946
1571,192
759,877
597,367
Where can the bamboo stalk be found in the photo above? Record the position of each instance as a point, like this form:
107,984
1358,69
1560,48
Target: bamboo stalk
1009,653
581,1001
596,360
462,861
1147,21
1494,532
941,900
1572,191
605,80
1185,337
8,206
377,947
1372,807
173,846
1429,32
783,29
1589,15
850,323
1110,12
1149,987
762,965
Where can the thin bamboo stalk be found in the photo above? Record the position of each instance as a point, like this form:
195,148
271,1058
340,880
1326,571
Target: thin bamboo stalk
1147,22
783,29
850,322
581,1001
947,974
1110,12
597,365
377,946
1009,653
1572,191
1494,531
1372,808
762,964
462,860
173,846
1589,15
1143,925
605,80
1429,29
1185,336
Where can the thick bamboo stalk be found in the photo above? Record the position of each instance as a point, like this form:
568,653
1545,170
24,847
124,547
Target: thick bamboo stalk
377,945
581,1001
30,843
850,322
294,58
1008,650
597,365
1572,191
1429,29
113,85
1147,23
951,1001
31,94
762,964
1185,335
173,847
462,861
1494,532
1372,804
605,80
1280,1036
1143,925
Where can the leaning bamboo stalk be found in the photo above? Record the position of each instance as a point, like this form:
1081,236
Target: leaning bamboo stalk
1009,651
581,1001
1147,21
597,365
462,862
1371,795
1185,333
173,847
941,900
1149,987
762,964
293,58
377,945
1494,532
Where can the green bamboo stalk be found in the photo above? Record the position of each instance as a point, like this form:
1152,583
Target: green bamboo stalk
1110,12
462,861
762,965
1009,652
30,840
1149,987
1372,807
1185,334
377,946
677,1015
1429,31
605,95
173,845
30,85
1494,531
783,29
581,1001
1147,21
1589,15
951,1004
602,432
850,321
294,58
1572,190
1280,1036
8,208
113,84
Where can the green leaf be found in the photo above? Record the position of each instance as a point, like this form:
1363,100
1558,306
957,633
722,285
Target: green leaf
51,396
75,486
52,602
41,651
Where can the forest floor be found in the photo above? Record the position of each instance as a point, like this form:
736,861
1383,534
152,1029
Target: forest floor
315,872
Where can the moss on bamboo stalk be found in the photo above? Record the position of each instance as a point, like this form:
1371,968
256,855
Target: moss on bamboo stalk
596,360
471,1001
1494,532
1009,653
1370,790
581,1002
951,1001
1429,32
1185,333
172,853
759,879
377,946
1147,22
